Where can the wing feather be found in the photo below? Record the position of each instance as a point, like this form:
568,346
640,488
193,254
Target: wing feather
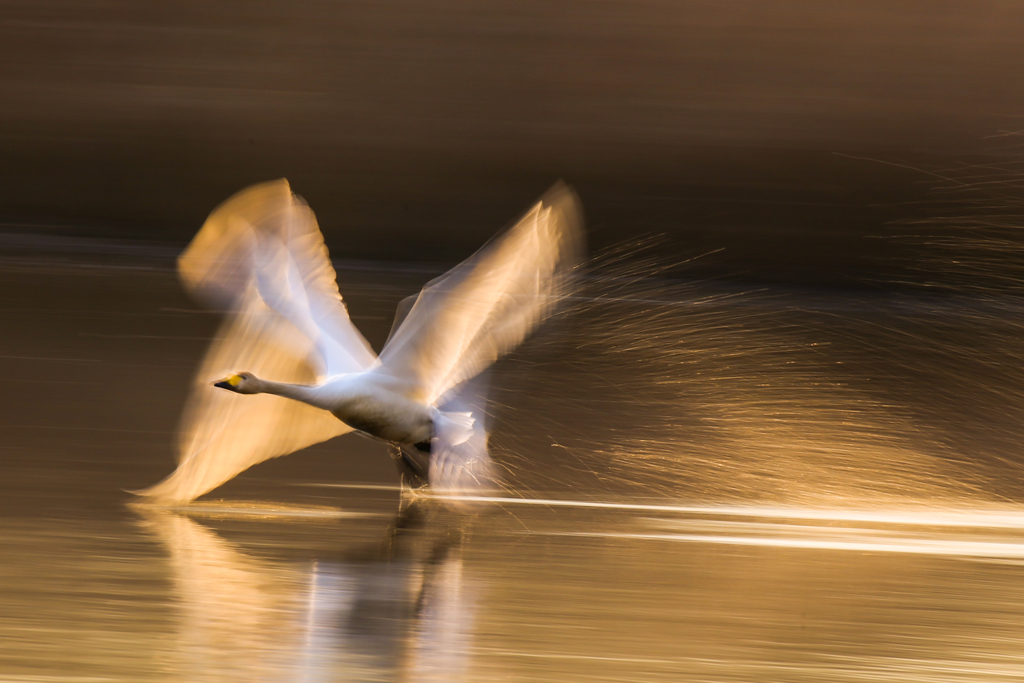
267,236
222,434
261,256
466,319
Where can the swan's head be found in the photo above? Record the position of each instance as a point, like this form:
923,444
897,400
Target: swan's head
241,383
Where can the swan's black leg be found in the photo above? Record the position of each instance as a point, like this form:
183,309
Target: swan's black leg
413,463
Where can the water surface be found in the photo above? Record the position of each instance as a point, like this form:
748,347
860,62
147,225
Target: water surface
820,555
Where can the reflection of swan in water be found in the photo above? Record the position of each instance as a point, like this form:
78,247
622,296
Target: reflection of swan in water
440,639
402,612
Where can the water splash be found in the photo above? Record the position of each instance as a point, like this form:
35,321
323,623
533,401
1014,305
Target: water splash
717,392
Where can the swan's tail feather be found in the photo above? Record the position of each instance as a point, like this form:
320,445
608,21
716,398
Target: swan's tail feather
459,459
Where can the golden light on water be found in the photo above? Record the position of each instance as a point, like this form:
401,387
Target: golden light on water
735,594
748,503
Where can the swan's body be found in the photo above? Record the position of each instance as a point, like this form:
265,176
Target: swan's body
310,373
359,400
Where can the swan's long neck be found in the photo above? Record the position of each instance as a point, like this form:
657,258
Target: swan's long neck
297,392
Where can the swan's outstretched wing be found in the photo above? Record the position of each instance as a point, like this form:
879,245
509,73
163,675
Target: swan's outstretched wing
222,433
262,256
268,237
484,307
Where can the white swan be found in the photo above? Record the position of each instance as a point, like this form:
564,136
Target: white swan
261,256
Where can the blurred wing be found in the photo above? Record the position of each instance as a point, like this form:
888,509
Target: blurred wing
223,434
459,461
268,237
261,256
466,319
219,264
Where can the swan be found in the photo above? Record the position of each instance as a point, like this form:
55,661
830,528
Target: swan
294,370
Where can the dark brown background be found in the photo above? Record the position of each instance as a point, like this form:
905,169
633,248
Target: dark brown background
416,129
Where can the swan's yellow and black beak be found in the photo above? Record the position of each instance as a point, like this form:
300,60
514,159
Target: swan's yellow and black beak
230,383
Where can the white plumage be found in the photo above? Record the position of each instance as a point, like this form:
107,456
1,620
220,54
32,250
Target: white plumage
313,376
